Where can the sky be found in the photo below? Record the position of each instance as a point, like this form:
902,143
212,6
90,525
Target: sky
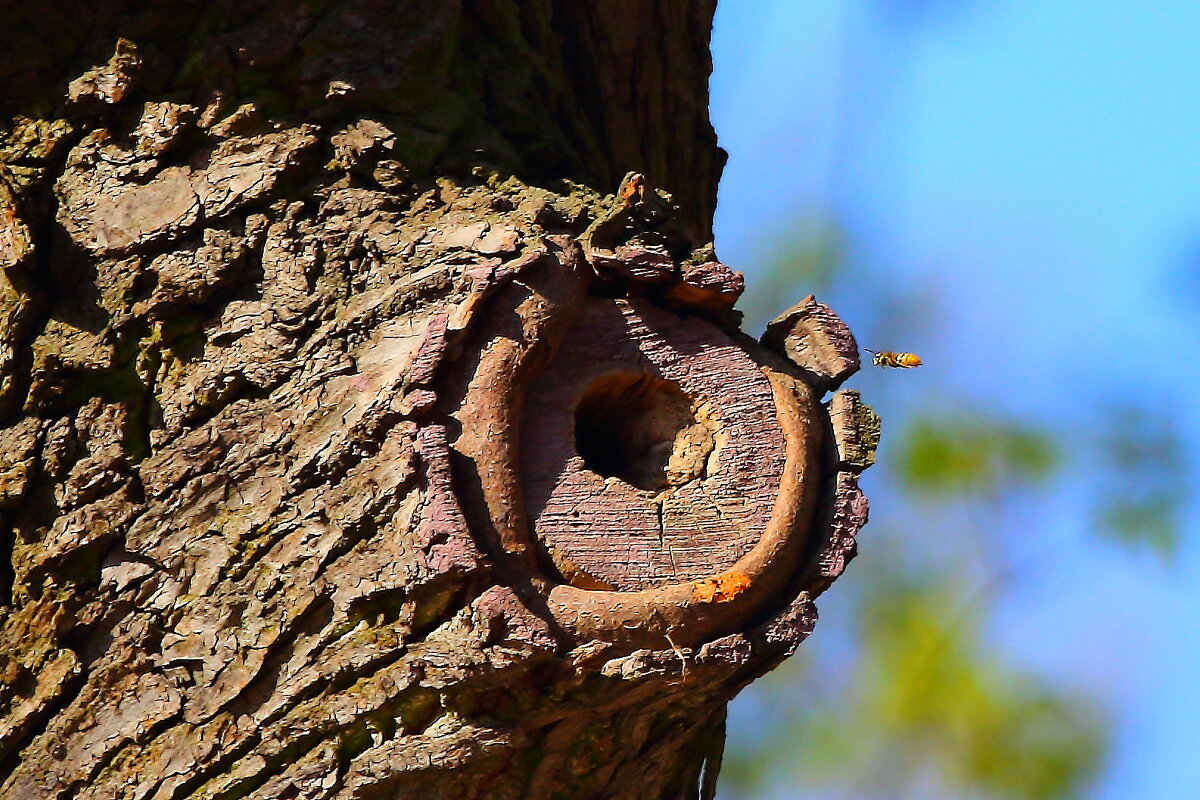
1028,172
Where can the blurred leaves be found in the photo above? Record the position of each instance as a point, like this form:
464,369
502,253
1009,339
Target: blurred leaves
929,705
1145,478
956,706
918,705
804,258
971,453
902,694
1136,459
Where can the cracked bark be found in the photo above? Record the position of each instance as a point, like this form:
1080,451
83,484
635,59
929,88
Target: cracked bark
354,443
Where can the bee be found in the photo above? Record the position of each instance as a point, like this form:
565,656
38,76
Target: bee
887,359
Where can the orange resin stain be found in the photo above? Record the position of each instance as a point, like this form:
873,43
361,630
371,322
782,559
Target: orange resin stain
720,588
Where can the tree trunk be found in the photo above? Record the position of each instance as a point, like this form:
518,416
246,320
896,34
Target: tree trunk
353,442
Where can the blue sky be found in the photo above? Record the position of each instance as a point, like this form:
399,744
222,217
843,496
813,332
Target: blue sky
1034,168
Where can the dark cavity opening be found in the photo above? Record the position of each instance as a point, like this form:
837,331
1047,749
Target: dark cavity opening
626,426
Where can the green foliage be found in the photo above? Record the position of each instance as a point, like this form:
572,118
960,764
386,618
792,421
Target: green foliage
927,701
971,453
1151,522
918,704
921,706
807,254
1145,481
954,706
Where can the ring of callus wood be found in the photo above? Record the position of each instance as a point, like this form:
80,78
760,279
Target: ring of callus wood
637,472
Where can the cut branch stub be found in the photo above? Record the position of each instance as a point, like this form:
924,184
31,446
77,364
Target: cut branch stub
650,453
647,475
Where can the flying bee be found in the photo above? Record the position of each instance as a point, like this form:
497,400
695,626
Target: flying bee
888,359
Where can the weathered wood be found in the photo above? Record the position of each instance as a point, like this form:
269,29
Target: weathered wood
709,286
855,430
353,443
536,316
650,452
812,336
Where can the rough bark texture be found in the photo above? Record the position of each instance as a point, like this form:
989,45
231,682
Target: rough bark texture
353,442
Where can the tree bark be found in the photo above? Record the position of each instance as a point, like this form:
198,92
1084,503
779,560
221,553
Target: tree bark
354,443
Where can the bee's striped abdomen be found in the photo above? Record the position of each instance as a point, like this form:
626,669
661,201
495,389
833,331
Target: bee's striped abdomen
887,359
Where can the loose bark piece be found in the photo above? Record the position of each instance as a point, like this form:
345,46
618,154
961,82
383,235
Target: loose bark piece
635,238
849,516
18,459
108,83
816,340
711,286
161,126
856,430
845,513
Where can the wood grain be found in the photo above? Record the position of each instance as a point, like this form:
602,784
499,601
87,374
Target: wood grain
696,524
